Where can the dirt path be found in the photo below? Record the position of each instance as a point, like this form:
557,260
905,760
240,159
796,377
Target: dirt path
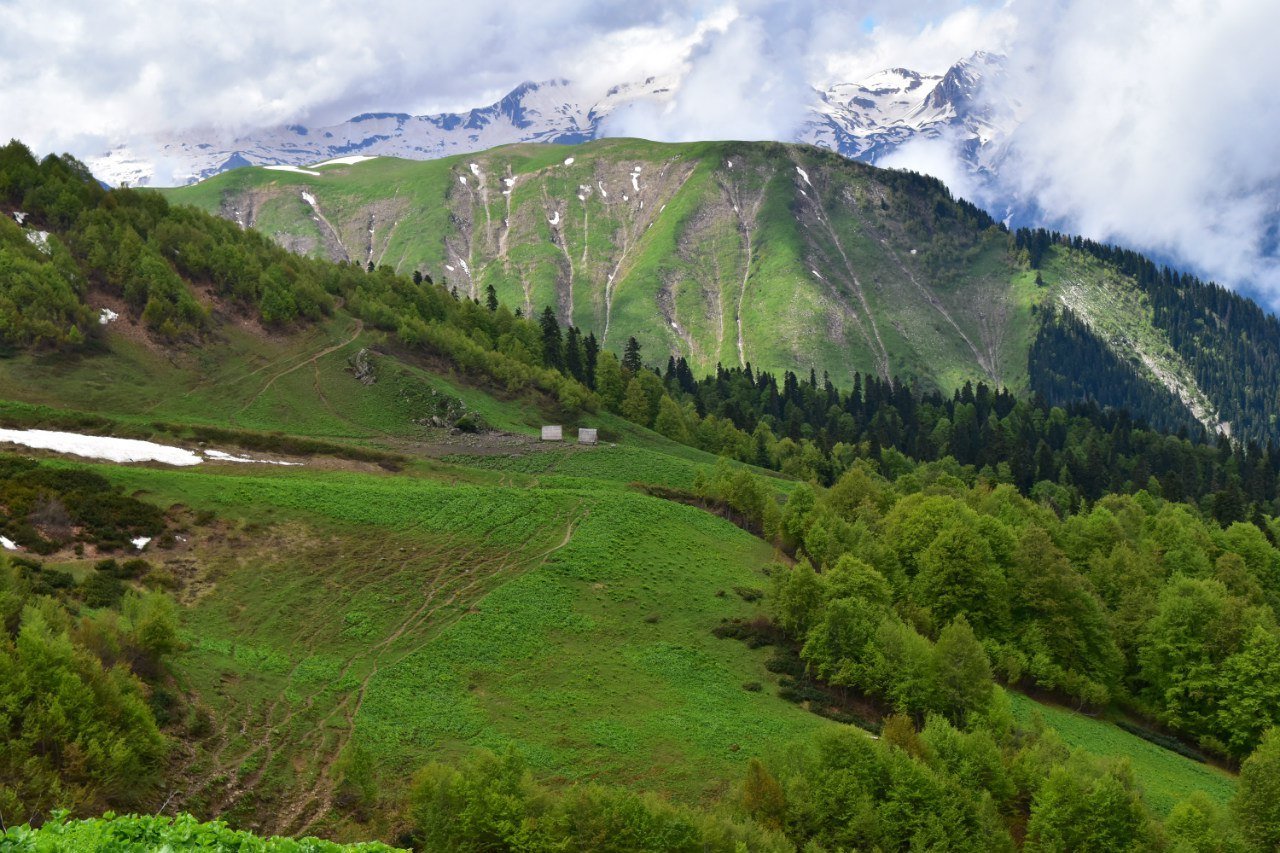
318,800
311,360
312,730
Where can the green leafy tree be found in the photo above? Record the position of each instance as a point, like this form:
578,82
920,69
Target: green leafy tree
797,596
1257,802
1087,807
610,384
962,672
958,576
670,421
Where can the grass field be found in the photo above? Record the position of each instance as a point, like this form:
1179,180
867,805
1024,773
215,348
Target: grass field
526,598
411,619
1166,778
406,618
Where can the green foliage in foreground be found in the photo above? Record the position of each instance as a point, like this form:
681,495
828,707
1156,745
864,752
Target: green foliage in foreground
492,803
176,834
75,721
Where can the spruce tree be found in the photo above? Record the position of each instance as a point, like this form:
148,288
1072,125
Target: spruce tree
631,357
591,356
573,355
491,298
552,343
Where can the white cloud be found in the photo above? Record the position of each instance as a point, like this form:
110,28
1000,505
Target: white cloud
1149,123
1153,124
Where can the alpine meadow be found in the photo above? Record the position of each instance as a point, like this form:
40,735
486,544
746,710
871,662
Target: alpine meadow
593,492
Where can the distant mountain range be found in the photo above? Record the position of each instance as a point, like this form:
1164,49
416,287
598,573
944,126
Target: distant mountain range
864,120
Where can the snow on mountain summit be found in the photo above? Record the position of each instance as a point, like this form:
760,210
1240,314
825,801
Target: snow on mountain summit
864,120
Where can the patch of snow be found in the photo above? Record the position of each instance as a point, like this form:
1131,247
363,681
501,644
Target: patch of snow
804,175
141,542
635,181
223,456
475,169
815,272
581,197
568,161
603,193
555,218
510,182
20,216
449,268
624,197
293,169
308,198
913,251
344,161
40,239
462,179
730,162
8,544
106,315
100,446
466,269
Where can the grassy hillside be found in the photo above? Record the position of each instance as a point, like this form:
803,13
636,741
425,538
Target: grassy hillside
782,256
405,591
411,619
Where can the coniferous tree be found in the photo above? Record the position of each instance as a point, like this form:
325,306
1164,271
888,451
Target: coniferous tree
631,357
552,342
573,359
591,357
491,298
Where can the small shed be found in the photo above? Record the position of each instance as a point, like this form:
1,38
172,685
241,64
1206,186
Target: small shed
552,433
587,436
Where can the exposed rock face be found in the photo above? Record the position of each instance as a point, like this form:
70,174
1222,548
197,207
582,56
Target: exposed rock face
363,369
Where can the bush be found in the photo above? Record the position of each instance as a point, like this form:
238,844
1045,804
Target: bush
101,590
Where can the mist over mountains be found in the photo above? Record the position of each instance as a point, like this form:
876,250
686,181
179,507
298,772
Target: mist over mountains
867,120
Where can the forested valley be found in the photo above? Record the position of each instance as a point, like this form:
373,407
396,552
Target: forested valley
937,557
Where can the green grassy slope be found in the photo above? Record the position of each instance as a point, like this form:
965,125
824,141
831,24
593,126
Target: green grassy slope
1165,777
412,619
784,256
526,598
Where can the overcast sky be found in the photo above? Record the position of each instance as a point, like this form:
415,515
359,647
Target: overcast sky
1150,123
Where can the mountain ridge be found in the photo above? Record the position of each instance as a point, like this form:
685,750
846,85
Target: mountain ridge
863,120
786,257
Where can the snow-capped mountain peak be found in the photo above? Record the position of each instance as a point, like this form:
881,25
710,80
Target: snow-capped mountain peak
863,119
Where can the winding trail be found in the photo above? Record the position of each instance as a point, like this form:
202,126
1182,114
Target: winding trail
310,360
313,730
318,800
